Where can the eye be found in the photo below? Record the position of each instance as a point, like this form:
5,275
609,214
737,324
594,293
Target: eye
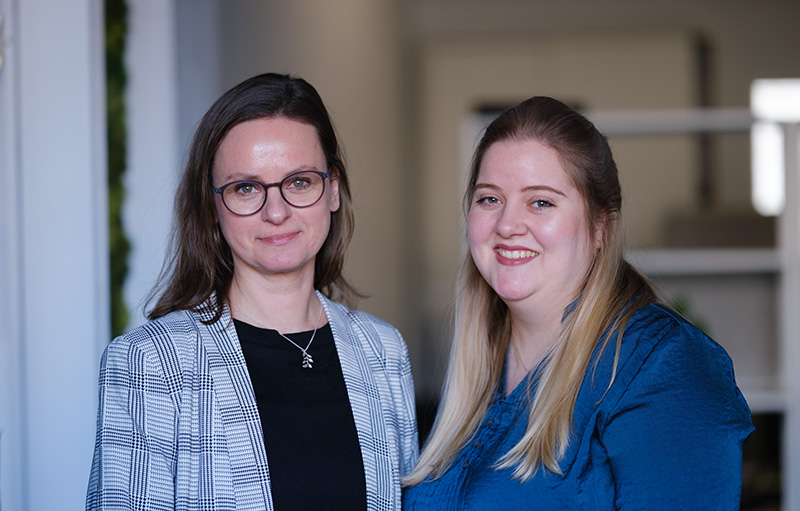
298,182
301,182
245,188
541,204
487,200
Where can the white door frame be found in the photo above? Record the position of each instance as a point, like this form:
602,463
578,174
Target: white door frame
53,267
11,475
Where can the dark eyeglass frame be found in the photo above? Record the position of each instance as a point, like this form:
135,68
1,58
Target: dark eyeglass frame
267,186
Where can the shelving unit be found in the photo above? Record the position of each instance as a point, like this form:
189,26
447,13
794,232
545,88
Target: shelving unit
774,273
762,269
707,261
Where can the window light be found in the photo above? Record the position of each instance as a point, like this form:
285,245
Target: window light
772,102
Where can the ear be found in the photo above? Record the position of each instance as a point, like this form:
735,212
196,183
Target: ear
600,224
334,178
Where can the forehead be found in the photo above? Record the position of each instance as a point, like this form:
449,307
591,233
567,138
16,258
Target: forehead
525,162
275,144
264,130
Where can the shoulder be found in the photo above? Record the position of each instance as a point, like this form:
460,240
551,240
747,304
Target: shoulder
169,328
662,353
655,328
163,343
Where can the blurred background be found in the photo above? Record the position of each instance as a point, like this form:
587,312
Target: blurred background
98,102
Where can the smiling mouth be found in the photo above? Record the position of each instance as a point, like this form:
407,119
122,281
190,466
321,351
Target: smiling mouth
279,239
516,254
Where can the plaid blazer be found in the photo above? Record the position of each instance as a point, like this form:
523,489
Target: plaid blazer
178,427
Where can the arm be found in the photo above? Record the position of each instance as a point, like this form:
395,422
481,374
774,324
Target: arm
408,427
132,466
674,439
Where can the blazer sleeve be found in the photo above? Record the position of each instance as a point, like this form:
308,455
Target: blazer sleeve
674,439
134,456
408,427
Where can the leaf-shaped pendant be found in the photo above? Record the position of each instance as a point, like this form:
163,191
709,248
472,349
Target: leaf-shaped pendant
307,360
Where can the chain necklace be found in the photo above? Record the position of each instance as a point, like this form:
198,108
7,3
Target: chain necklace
518,357
307,360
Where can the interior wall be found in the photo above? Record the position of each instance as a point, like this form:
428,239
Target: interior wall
349,51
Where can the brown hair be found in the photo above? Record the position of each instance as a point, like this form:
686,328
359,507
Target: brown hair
199,264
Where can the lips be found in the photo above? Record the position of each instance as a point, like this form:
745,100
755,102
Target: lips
279,239
514,255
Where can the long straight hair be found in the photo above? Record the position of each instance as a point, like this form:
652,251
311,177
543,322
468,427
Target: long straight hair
611,292
199,263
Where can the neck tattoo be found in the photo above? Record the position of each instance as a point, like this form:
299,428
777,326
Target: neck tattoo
307,360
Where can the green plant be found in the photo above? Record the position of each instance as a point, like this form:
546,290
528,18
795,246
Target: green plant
116,26
682,306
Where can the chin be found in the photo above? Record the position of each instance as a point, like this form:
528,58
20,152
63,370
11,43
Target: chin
512,295
511,289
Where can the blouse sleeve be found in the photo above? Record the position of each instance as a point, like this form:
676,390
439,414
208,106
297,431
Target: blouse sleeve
674,439
134,448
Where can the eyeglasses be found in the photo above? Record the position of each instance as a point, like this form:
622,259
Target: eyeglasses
246,197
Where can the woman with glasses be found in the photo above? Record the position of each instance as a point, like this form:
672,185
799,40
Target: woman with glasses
250,388
569,386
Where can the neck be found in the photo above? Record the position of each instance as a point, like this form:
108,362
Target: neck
535,326
532,337
285,305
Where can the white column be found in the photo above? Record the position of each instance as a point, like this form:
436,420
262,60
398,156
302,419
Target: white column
58,260
154,152
790,319
10,292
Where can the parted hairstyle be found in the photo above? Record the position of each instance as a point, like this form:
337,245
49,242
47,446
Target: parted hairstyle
199,263
611,292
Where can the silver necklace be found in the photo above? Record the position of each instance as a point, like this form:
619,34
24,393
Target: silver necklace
307,360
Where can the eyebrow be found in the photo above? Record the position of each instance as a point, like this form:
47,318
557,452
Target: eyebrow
252,176
242,176
532,188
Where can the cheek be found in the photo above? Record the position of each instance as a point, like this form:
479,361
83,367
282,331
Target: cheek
479,232
226,230
220,209
568,230
228,224
475,233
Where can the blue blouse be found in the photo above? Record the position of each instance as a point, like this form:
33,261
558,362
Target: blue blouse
668,434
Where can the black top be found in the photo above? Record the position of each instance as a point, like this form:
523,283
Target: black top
309,432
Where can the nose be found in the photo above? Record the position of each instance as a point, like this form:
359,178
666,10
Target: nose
276,210
510,221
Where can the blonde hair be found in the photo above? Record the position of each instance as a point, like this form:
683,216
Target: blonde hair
612,291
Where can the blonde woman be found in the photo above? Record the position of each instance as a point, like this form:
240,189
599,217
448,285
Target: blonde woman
569,386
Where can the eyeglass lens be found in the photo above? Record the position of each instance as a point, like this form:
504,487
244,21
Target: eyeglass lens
300,190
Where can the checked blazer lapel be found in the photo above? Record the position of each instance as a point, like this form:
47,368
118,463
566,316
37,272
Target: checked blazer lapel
239,412
363,361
